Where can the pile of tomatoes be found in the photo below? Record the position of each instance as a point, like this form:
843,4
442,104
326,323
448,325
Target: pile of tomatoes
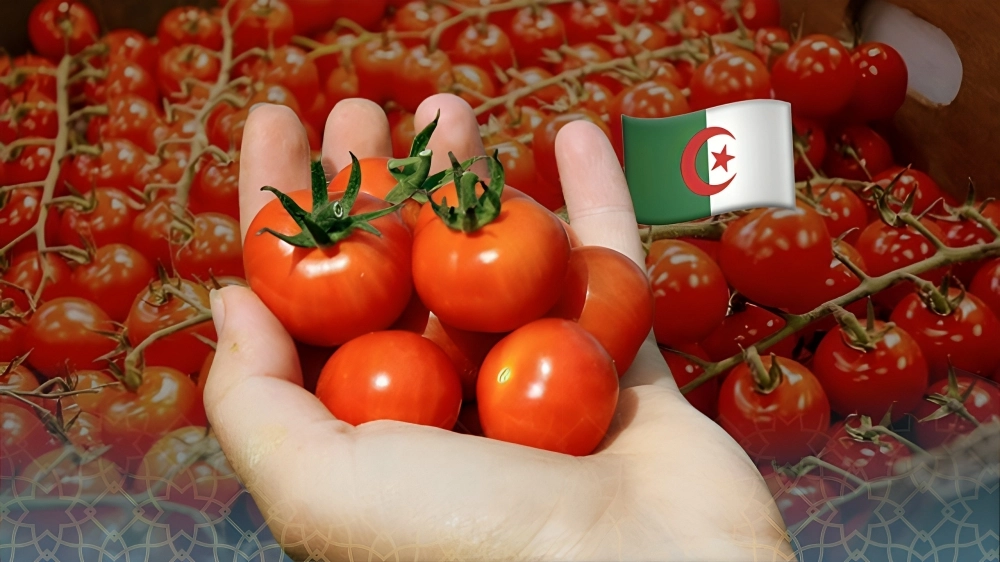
119,213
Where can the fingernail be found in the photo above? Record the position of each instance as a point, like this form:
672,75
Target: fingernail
218,309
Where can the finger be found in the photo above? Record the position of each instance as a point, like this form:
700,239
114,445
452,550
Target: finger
355,125
457,131
597,197
254,395
275,152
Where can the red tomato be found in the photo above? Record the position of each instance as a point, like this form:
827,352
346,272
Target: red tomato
11,338
129,45
857,153
597,98
421,16
485,45
706,396
757,14
130,117
986,285
61,27
701,16
609,296
837,280
63,336
983,404
62,473
30,72
866,459
641,37
374,270
966,336
288,66
31,114
630,11
188,25
25,273
377,181
882,79
423,74
414,383
260,23
186,61
127,77
928,192
156,309
378,64
152,231
544,146
22,440
869,382
729,77
743,328
466,350
519,167
646,100
216,189
472,84
585,20
18,214
548,385
783,424
92,403
765,40
106,219
815,75
509,272
885,249
17,379
582,54
114,274
214,248
528,77
447,193
690,293
843,211
533,30
769,253
342,84
961,232
30,164
116,166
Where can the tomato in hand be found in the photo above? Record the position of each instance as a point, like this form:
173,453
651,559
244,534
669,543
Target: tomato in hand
705,397
62,27
815,75
391,375
782,418
986,285
961,331
156,309
63,335
886,248
857,153
25,275
189,25
114,273
729,77
882,79
941,417
214,248
548,385
465,349
871,457
690,292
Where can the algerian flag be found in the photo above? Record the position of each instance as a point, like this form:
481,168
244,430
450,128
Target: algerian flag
727,158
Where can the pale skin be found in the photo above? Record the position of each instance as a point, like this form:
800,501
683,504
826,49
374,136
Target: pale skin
667,483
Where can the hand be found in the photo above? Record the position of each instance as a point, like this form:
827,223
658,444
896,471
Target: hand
666,484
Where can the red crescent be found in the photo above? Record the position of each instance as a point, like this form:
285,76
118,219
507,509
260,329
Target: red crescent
689,169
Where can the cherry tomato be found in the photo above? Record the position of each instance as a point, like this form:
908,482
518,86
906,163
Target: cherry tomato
533,30
31,72
548,385
704,398
214,248
843,211
472,84
584,20
117,166
25,273
630,11
11,338
961,232
520,167
18,214
864,458
31,114
886,248
834,282
105,219
757,14
815,75
260,23
928,192
581,54
525,243
22,440
597,98
743,328
66,474
187,62
377,181
152,231
544,146
415,383
767,254
19,379
729,77
893,374
156,309
374,270
129,45
189,25
378,64
521,120
765,40
640,37
92,402
115,272
647,100
784,424
528,77
485,45
857,153
420,16
983,404
126,77
62,27
690,293
423,74
130,117
966,337
216,189
986,285
288,66
882,80
29,164
63,335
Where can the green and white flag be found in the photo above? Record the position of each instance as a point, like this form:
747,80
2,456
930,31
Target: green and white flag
727,158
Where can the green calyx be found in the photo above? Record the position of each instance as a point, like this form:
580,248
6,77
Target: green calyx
413,172
329,221
472,212
952,401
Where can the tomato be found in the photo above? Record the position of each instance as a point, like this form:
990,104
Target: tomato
641,37
186,466
843,211
164,400
886,248
548,385
25,272
423,74
129,45
597,99
23,438
882,80
815,75
966,336
19,214
374,270
130,117
961,232
582,54
706,396
260,23
214,248
466,350
216,189
126,77
377,181
986,285
62,27
544,146
62,473
867,459
857,153
757,14
768,254
63,334
646,100
928,192
834,282
485,45
29,164
472,84
288,66
743,328
17,379
187,61
415,383
152,231
11,338
584,20
508,273
378,64
419,15
765,40
114,274
106,218
92,402
32,114
783,424
316,15
983,404
31,72
448,193
630,11
520,170
116,166
533,30
690,291
729,77
188,25
155,309
893,374
528,77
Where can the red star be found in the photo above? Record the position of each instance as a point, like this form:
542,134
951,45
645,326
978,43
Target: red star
722,159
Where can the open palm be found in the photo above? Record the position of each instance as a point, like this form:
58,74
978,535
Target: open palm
666,484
